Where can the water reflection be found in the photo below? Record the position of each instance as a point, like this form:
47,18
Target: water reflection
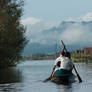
11,75
10,79
65,88
25,78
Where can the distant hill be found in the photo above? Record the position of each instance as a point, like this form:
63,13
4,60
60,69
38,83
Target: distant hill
76,35
36,48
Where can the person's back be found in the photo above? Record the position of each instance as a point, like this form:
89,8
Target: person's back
66,63
64,67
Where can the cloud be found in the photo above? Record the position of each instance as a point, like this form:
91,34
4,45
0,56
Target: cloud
77,34
31,21
52,24
39,31
35,29
87,17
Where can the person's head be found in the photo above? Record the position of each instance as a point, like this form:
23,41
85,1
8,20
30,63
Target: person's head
68,54
63,54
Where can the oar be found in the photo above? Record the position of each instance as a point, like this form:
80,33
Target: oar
47,79
79,78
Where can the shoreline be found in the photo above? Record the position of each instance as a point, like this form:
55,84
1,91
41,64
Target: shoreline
74,59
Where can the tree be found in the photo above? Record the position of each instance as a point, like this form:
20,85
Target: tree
12,32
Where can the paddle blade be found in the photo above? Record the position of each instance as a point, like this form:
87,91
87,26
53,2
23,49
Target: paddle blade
80,80
47,79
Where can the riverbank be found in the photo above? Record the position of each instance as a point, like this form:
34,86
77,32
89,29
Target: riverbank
74,57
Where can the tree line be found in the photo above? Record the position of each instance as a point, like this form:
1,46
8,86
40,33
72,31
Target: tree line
12,32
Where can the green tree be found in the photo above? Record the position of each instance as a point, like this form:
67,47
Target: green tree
12,32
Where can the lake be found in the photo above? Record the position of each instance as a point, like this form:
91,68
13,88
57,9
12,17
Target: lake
28,76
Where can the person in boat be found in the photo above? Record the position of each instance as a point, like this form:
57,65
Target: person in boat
63,64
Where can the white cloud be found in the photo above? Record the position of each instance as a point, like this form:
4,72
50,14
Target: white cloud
52,24
73,34
35,29
76,34
87,17
31,21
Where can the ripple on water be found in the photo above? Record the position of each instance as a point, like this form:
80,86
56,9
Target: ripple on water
29,76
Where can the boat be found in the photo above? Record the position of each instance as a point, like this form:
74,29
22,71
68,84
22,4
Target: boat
64,79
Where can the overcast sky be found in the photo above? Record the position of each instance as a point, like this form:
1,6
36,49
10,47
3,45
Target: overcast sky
40,15
56,10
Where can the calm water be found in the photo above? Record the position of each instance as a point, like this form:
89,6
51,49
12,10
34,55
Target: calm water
28,77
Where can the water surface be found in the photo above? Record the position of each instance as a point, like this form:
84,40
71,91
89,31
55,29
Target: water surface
28,77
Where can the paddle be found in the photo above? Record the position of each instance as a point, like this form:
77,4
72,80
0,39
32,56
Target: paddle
50,75
53,68
79,78
47,79
64,45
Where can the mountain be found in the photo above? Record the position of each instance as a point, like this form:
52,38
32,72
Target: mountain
36,48
75,34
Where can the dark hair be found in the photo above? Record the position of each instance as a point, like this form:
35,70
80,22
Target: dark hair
68,54
63,53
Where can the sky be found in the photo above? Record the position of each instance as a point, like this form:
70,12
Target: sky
56,10
42,15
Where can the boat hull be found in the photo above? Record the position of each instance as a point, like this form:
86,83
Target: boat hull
66,79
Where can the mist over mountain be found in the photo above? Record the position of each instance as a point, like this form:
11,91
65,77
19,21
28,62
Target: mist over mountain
45,37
